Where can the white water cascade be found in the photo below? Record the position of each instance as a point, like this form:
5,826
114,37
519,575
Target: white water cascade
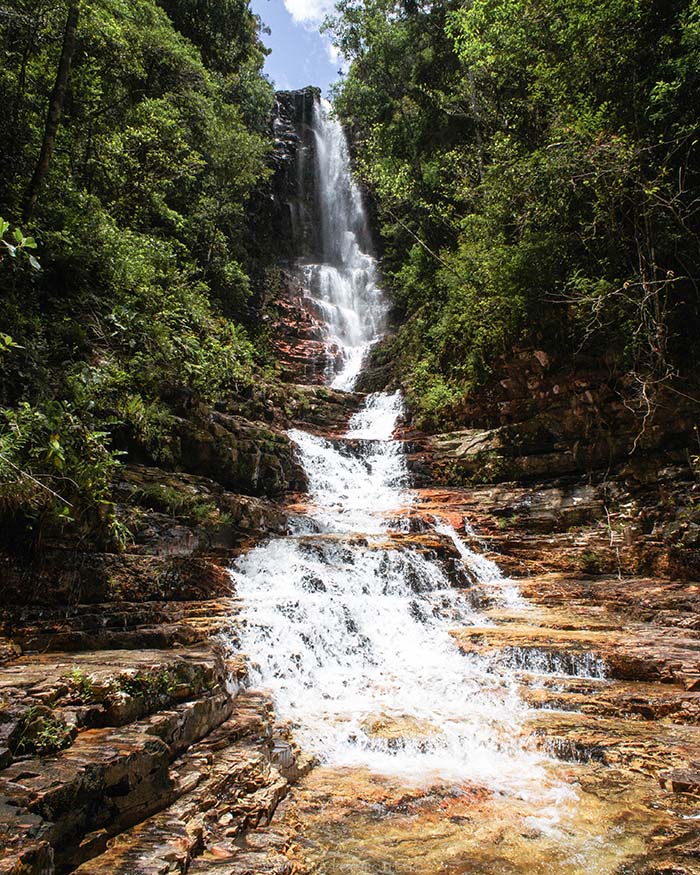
351,632
343,286
347,626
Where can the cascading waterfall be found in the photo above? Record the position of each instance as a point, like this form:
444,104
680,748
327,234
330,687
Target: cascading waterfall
343,285
348,628
351,633
484,569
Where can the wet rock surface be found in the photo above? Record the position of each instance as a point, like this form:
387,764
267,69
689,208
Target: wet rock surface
240,455
174,792
295,197
606,645
163,763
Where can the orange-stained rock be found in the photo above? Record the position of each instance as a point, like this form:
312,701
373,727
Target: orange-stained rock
637,652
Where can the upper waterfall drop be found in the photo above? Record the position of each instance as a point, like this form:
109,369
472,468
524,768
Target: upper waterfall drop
344,284
343,218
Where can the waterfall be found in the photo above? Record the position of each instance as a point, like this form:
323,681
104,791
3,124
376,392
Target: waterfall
347,626
351,632
343,285
484,569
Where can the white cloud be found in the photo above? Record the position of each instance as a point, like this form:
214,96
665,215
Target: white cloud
335,57
309,11
333,52
310,14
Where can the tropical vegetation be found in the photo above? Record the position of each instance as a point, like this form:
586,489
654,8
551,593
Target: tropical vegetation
132,135
535,165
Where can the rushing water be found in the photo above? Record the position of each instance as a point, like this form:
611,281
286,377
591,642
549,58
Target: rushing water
352,633
347,627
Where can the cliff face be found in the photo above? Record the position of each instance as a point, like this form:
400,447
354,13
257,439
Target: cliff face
294,195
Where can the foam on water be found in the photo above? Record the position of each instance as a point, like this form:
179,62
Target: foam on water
344,285
484,569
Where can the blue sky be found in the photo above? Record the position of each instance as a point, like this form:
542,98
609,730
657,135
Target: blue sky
300,54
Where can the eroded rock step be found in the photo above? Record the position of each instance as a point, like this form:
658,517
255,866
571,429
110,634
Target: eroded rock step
146,625
651,600
323,411
229,784
650,748
579,659
640,700
432,543
110,688
358,446
611,525
153,740
92,738
640,652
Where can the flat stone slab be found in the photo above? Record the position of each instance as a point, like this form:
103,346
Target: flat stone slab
641,700
639,745
633,597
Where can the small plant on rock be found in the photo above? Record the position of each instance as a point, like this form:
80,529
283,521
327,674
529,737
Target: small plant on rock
149,687
83,685
195,508
40,732
591,562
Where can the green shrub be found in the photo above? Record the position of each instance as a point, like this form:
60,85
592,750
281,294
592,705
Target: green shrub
55,468
180,503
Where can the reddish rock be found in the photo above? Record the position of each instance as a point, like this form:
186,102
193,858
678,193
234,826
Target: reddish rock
681,780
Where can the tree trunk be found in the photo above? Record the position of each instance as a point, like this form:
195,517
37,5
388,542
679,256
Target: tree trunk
53,116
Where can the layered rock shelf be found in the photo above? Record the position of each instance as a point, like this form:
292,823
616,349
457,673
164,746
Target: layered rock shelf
129,742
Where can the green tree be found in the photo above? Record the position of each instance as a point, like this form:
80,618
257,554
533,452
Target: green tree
535,167
135,176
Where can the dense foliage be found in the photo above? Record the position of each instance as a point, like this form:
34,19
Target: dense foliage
132,134
535,164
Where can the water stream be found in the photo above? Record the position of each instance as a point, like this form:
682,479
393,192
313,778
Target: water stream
349,629
343,284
